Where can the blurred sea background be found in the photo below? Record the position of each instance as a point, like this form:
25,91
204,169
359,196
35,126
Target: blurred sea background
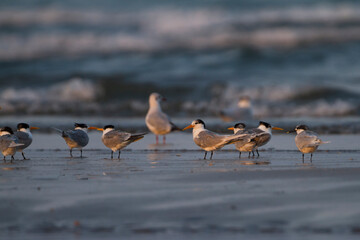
297,60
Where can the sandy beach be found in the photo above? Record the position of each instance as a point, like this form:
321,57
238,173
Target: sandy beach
169,191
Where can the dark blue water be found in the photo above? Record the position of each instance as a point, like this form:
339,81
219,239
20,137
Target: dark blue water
293,58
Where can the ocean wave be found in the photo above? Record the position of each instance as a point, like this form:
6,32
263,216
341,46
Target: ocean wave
169,29
290,100
173,20
73,90
82,96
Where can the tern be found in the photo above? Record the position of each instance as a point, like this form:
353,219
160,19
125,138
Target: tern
211,141
117,140
263,134
24,136
242,111
244,145
156,120
77,138
8,142
306,141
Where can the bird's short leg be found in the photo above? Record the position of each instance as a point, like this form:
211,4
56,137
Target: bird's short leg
253,154
204,155
71,152
157,139
164,139
4,159
257,151
311,157
250,153
12,158
119,154
239,154
303,157
22,153
212,152
112,154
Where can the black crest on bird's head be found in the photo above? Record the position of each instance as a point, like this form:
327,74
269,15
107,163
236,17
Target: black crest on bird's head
199,121
240,125
23,125
302,126
81,125
267,125
108,126
6,129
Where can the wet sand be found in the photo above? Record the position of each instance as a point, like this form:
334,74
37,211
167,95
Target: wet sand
170,192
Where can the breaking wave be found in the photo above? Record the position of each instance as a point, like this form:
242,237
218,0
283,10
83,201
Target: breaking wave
79,96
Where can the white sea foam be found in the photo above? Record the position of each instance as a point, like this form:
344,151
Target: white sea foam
73,90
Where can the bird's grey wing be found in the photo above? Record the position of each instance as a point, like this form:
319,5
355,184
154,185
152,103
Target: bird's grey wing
250,135
4,143
262,138
158,119
117,136
23,138
308,139
78,136
8,141
208,139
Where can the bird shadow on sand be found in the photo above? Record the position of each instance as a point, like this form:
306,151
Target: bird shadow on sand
254,162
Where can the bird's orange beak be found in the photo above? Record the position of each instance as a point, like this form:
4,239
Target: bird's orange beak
231,128
277,128
95,128
34,128
190,126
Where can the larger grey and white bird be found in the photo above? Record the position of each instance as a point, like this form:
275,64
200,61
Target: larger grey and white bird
244,145
156,120
24,136
8,142
241,111
263,134
211,141
117,140
306,141
77,138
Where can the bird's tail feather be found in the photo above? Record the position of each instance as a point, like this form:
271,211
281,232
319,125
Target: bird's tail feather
136,137
14,144
59,131
174,127
237,138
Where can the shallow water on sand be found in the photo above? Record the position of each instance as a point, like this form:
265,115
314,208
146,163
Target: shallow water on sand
169,192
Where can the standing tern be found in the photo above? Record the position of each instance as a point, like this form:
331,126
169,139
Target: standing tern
244,145
263,134
211,141
24,136
117,140
156,120
242,111
77,138
306,141
8,142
